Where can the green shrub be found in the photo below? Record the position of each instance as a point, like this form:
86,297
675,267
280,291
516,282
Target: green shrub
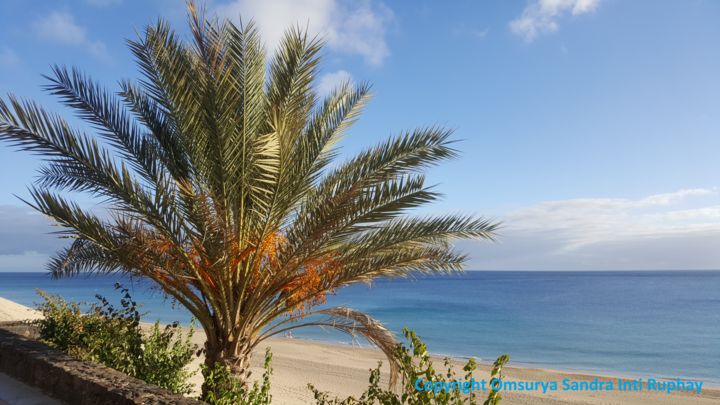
114,337
166,354
223,389
62,324
415,363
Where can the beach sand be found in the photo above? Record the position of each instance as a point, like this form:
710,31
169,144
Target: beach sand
11,311
343,370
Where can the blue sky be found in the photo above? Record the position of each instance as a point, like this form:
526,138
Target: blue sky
590,127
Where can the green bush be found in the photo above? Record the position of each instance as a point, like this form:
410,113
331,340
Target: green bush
415,363
114,337
223,389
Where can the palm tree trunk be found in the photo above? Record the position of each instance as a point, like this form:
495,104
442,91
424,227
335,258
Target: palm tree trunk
232,354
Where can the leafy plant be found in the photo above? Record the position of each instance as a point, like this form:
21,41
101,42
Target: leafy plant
62,325
223,389
114,337
166,353
416,367
496,373
219,173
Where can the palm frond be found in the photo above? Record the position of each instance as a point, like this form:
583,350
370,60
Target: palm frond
219,173
352,322
97,106
82,257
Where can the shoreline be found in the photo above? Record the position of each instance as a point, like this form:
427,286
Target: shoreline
559,369
457,359
343,370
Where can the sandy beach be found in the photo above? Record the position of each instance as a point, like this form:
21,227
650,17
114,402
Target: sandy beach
343,370
11,311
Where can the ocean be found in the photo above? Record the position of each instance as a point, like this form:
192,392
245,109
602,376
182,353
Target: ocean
639,324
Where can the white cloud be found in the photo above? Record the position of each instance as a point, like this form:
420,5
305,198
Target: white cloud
674,197
329,81
678,230
8,57
59,27
541,16
351,27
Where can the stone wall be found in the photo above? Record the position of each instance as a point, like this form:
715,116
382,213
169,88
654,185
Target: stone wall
72,380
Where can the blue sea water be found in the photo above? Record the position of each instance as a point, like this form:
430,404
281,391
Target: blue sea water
654,324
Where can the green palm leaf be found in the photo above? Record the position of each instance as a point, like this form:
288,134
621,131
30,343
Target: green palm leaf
218,172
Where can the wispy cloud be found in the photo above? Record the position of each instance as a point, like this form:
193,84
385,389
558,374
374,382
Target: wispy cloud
462,30
8,57
350,27
329,81
59,27
677,230
541,16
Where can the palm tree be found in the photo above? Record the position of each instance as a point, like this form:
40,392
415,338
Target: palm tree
218,175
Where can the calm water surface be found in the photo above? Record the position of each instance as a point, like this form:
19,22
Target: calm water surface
633,323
